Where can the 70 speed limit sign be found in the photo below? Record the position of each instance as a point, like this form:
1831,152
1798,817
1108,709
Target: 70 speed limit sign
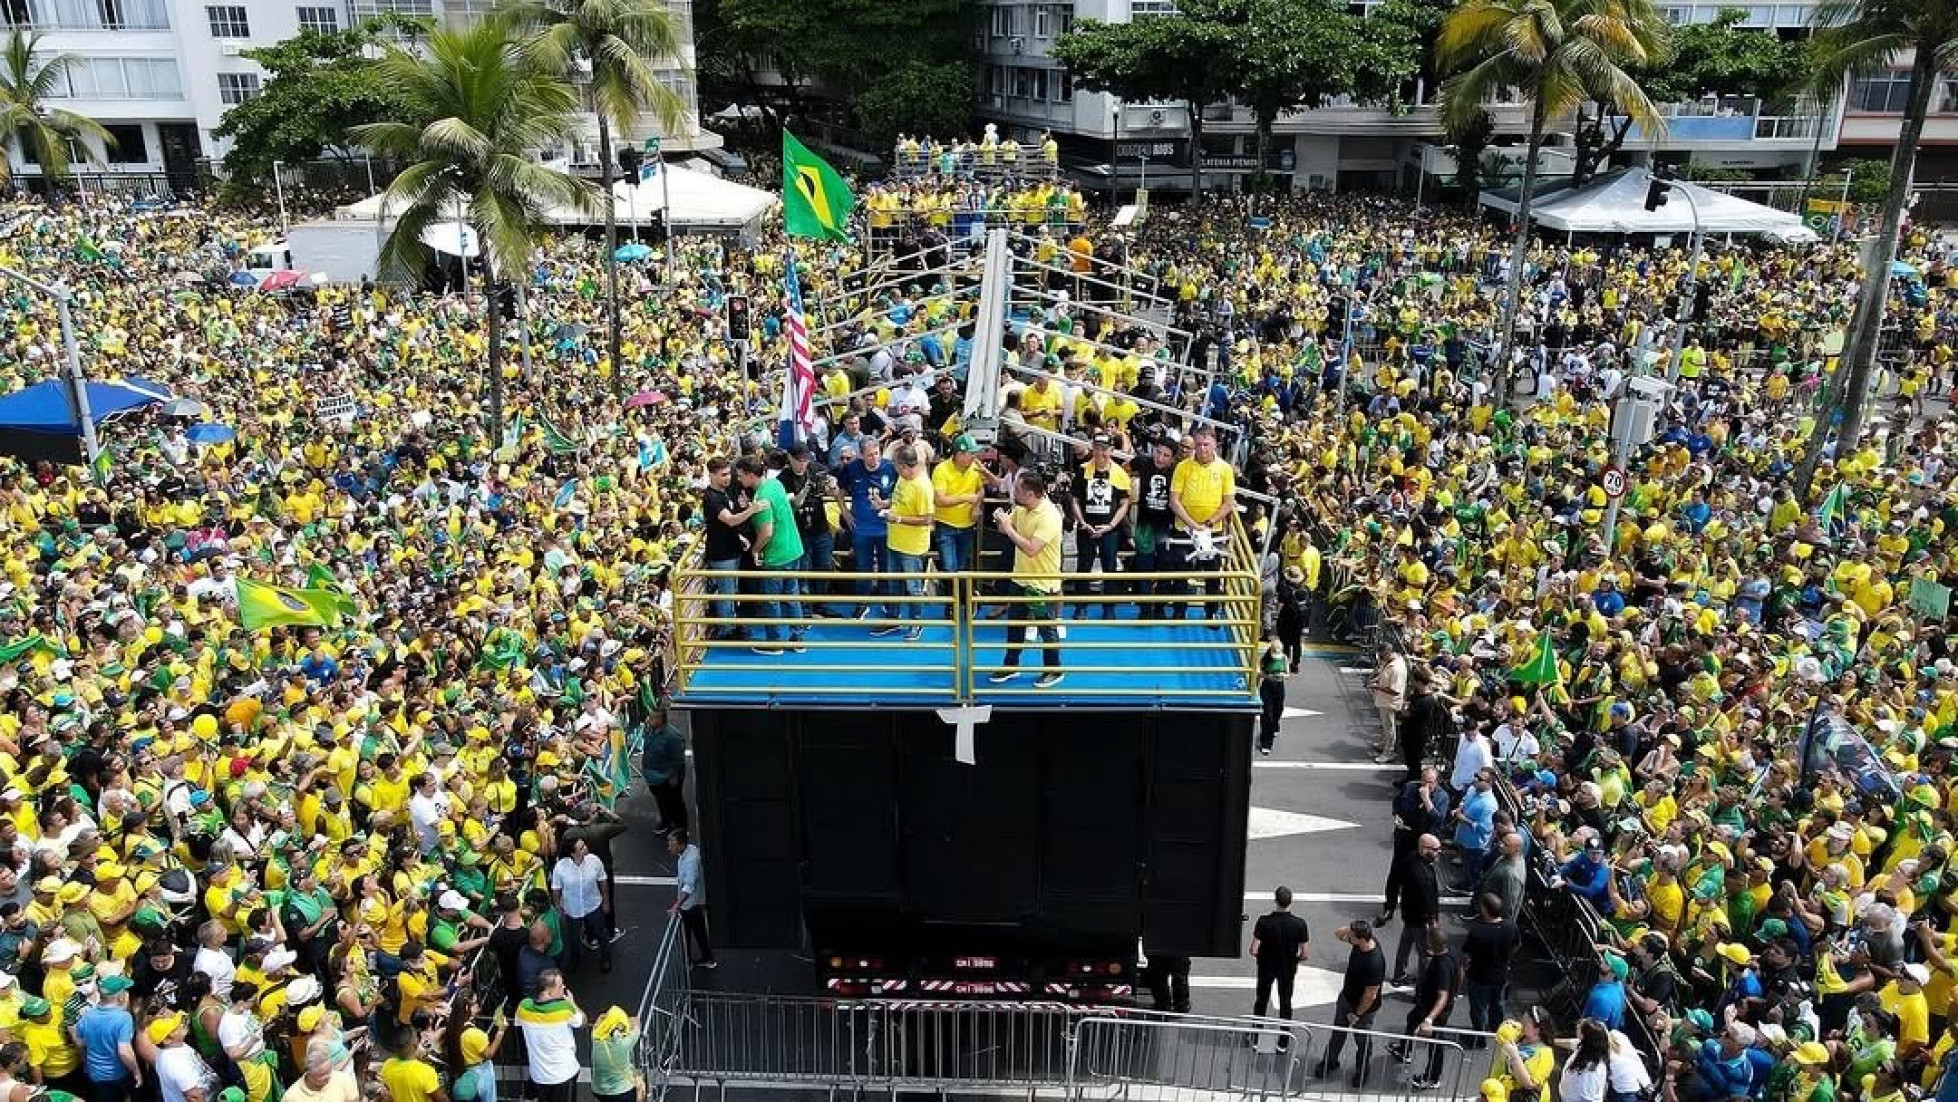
1614,482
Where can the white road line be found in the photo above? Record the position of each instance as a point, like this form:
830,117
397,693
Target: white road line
1314,986
1356,669
645,881
1299,713
1375,898
1331,766
1267,822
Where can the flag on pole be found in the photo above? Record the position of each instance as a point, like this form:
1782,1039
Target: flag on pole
815,200
269,606
1834,509
796,417
1541,669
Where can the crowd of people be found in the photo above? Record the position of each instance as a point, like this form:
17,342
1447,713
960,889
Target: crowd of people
251,860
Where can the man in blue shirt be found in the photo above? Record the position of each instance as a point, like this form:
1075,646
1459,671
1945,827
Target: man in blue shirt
1588,874
869,481
106,1032
690,897
1606,1002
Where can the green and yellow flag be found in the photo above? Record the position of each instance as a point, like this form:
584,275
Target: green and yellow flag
263,606
321,580
1541,669
815,200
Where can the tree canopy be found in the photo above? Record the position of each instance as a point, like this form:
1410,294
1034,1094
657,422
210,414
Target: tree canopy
317,85
1723,58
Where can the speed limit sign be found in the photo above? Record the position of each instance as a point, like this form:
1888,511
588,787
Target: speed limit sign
1614,482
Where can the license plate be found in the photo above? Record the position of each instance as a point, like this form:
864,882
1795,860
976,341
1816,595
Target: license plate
975,987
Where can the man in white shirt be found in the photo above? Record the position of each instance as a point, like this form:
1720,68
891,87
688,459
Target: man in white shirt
181,1074
426,808
212,960
550,1020
1389,689
584,896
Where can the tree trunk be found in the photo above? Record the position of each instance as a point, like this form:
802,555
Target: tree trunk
1514,297
1196,148
494,356
1866,328
611,254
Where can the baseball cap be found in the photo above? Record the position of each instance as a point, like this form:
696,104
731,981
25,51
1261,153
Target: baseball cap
964,444
1101,440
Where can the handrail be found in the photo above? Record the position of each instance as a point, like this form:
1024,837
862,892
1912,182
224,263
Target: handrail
1124,657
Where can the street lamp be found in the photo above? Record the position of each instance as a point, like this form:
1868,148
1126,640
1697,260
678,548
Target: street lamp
1656,195
77,383
279,186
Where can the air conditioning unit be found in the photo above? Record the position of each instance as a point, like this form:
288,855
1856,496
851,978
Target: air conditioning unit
1019,44
230,49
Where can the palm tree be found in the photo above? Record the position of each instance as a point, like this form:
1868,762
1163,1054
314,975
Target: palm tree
1557,54
476,109
26,83
1860,38
617,38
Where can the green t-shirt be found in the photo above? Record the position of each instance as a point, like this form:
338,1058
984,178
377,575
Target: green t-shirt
611,1064
785,546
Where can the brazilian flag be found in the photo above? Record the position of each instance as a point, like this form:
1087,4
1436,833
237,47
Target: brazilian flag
263,606
815,200
321,580
1541,669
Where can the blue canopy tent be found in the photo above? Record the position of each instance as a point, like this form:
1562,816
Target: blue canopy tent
40,422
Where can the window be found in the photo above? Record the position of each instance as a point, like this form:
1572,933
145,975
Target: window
119,78
1002,22
1886,94
1064,87
1040,84
236,88
1139,8
1023,83
129,148
1067,21
363,10
323,20
1944,101
229,21
1040,22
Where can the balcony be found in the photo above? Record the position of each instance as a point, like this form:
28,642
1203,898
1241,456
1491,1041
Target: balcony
85,15
1344,116
1725,122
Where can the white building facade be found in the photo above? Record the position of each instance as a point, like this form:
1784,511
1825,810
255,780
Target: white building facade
160,74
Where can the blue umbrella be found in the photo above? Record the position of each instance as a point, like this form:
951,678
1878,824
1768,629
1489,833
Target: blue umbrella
243,279
1899,268
632,251
210,433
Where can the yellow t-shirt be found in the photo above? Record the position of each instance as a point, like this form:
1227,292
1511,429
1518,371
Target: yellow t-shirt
1913,1014
1041,523
1041,407
946,478
410,1080
1202,487
910,498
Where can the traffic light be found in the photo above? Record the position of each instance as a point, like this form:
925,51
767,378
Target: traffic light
1657,191
630,158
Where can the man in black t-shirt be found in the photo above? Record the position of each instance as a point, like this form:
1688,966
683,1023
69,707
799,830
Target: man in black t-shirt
1486,952
811,488
1359,999
725,522
1150,474
1100,503
1434,999
1280,942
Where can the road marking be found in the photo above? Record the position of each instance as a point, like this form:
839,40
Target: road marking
1375,898
1267,822
1356,669
1333,766
1313,987
645,881
1299,713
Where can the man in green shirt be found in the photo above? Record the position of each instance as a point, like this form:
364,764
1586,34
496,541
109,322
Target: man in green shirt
778,547
450,928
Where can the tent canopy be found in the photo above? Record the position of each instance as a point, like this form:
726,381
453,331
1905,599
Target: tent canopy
700,202
39,422
1615,204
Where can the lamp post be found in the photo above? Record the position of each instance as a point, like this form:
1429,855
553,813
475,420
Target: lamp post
665,200
279,187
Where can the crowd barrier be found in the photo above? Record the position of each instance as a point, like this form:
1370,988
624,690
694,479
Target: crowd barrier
696,1040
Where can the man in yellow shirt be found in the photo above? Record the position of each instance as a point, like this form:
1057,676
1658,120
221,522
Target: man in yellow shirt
958,486
1203,499
1034,528
908,538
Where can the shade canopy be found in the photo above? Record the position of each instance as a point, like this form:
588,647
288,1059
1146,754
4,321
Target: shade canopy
1615,204
39,422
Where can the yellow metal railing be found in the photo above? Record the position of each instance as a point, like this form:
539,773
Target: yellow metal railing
941,665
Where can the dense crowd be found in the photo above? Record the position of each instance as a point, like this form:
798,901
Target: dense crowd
247,860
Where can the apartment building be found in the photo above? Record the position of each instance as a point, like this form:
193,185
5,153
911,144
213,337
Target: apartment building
160,74
1349,145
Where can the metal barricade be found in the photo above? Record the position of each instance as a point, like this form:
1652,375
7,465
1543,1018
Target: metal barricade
1173,1059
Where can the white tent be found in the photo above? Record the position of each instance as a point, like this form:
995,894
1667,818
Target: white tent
701,203
1615,204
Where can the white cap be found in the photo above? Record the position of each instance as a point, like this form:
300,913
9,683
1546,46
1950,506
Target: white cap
452,901
279,958
59,950
302,990
7,980
1917,973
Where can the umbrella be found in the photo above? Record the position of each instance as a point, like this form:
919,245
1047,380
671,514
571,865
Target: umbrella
281,280
211,433
571,331
1899,268
185,407
242,278
645,398
452,239
631,251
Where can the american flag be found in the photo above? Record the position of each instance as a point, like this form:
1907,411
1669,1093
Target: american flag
797,415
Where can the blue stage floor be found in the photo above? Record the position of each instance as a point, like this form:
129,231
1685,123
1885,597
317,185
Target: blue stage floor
1107,663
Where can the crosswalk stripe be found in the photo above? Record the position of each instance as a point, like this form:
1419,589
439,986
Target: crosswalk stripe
1331,766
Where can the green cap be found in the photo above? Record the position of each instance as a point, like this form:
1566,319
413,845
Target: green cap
964,444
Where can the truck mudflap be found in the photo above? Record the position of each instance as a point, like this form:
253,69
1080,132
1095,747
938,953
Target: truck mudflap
1086,982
